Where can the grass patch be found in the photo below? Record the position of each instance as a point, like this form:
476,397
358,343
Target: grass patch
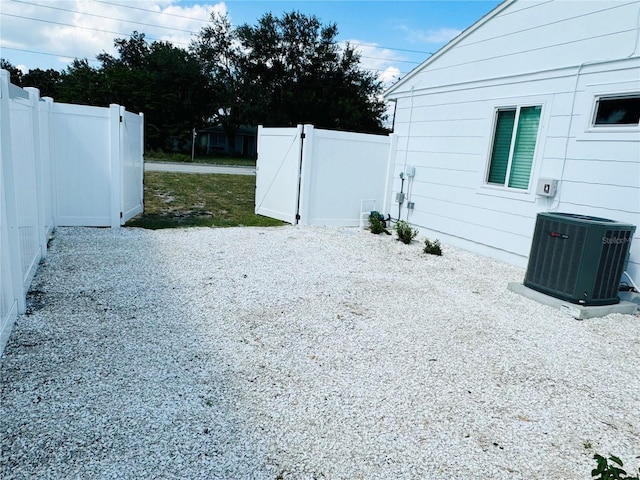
199,200
182,158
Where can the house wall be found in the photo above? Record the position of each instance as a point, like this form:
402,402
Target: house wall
218,142
556,54
534,36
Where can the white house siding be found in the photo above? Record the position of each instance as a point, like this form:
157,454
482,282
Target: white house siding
556,54
529,36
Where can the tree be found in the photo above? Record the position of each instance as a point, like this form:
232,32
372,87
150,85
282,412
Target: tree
161,80
286,71
179,97
47,81
82,84
220,55
15,73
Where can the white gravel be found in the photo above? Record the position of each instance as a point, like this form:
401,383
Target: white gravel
304,353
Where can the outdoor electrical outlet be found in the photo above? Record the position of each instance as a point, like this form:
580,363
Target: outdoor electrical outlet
399,197
410,205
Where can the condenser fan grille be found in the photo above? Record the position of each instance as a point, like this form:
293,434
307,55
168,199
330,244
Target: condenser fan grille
578,258
552,265
611,266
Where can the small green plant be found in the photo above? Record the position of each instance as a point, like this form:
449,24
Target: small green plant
432,247
610,471
377,224
405,232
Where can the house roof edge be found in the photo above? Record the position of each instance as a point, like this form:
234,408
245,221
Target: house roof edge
465,33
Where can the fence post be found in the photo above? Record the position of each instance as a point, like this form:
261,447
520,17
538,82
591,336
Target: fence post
141,184
8,197
49,155
306,166
391,164
34,99
115,187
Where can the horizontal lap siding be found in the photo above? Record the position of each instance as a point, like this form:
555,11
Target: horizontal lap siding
606,172
542,36
602,168
450,167
448,117
450,160
601,173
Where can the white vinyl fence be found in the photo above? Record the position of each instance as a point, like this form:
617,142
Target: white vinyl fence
310,176
61,165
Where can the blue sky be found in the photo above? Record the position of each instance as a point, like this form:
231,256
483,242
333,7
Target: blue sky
392,36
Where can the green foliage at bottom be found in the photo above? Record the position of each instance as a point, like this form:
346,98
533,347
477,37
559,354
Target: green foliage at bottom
405,232
610,471
432,247
377,224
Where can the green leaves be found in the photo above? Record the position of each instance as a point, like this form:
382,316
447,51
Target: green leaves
287,70
405,232
432,247
377,224
607,471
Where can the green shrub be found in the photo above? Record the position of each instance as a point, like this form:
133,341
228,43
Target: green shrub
405,232
432,248
610,471
180,157
377,224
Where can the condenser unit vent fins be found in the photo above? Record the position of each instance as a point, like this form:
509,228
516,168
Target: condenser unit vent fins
578,258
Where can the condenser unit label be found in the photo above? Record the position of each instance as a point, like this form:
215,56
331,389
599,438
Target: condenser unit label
614,241
563,236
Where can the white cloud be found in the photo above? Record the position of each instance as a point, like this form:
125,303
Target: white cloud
68,32
386,63
438,36
390,75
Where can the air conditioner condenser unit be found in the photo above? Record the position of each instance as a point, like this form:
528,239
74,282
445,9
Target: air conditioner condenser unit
578,258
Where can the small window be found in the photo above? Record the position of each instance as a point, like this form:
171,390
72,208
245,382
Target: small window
514,144
619,110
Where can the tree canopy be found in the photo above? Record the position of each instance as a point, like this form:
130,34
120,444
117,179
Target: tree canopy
289,70
279,72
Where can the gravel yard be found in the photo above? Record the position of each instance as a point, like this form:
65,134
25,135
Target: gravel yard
304,353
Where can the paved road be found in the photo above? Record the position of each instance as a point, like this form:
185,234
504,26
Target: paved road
197,168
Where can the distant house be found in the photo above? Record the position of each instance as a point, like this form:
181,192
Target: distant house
534,90
214,140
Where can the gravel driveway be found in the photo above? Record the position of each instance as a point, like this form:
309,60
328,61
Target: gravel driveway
304,353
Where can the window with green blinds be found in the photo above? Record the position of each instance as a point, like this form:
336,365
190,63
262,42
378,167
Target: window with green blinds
501,146
512,159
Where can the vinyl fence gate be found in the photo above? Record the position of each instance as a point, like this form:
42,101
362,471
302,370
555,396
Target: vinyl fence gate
310,176
60,165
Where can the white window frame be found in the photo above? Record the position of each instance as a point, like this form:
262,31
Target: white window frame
505,189
596,104
595,91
